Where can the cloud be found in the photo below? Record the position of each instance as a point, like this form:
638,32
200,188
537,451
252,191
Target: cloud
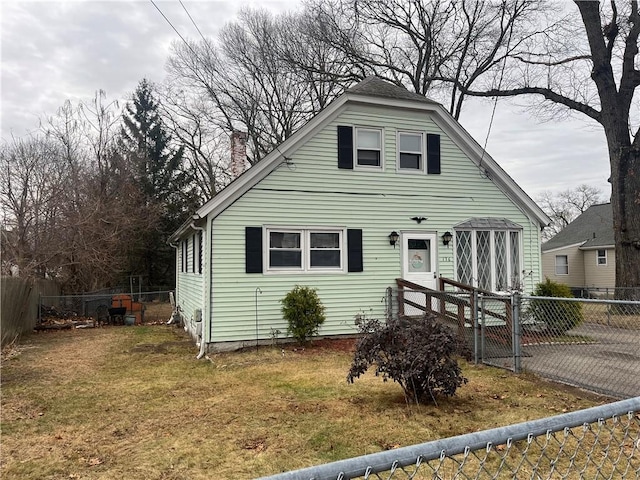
54,51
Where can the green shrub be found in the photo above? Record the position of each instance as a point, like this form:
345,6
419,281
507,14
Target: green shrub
304,312
416,353
558,316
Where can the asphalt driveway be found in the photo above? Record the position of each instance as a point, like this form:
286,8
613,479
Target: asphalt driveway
608,363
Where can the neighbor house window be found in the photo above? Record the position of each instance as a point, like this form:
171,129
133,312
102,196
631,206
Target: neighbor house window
305,249
602,256
368,147
562,265
410,151
488,259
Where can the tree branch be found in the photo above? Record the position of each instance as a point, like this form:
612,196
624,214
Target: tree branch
552,64
546,93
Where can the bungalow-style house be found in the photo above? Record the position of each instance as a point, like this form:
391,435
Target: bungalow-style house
382,184
583,253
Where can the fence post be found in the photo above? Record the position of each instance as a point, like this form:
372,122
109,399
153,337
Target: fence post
443,309
400,301
483,331
476,327
517,332
461,319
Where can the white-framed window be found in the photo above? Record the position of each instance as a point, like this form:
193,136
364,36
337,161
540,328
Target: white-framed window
410,152
185,255
488,259
197,255
562,265
310,250
368,147
601,256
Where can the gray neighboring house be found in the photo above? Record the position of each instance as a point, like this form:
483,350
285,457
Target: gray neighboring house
583,254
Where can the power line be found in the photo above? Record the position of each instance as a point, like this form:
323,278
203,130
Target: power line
174,28
193,21
495,103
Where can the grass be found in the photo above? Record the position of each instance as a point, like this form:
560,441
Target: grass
133,402
620,316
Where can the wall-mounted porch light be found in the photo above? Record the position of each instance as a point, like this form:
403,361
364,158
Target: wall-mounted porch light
446,238
393,238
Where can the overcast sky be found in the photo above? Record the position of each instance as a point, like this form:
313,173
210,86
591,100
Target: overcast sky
58,50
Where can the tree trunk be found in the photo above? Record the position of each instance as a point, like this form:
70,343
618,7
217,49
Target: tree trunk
625,202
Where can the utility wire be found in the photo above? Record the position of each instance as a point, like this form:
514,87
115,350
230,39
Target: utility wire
495,104
174,28
193,21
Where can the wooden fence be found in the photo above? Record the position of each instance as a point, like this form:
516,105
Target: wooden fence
19,304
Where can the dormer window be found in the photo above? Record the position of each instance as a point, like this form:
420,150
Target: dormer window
410,152
368,147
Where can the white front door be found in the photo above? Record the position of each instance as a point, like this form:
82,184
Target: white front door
419,265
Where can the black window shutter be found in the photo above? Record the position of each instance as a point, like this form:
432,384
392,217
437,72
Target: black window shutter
354,250
345,147
433,153
253,249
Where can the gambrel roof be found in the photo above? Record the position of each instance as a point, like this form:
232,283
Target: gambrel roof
376,87
372,91
592,229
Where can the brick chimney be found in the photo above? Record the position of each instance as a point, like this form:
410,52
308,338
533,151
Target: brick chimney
238,153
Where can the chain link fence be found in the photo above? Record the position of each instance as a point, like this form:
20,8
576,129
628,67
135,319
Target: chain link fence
597,443
103,308
588,343
611,293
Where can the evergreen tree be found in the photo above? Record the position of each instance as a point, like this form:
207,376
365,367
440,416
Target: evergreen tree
156,165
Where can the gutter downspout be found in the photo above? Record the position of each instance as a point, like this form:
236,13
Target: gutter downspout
202,351
176,308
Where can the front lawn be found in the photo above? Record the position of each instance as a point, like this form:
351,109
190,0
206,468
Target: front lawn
133,402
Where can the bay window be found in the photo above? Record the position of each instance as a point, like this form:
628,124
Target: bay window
489,258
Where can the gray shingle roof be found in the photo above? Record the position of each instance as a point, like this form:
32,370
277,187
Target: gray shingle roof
594,227
376,87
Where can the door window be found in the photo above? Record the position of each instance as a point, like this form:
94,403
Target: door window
419,255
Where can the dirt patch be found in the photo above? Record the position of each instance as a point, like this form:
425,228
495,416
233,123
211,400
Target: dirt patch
165,347
322,345
157,312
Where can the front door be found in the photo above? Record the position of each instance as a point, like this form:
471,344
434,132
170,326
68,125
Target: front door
419,265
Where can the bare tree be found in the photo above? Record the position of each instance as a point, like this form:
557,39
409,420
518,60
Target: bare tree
563,207
34,173
207,149
69,207
245,80
593,72
438,48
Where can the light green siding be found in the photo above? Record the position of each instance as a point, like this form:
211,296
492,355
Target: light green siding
309,190
189,287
